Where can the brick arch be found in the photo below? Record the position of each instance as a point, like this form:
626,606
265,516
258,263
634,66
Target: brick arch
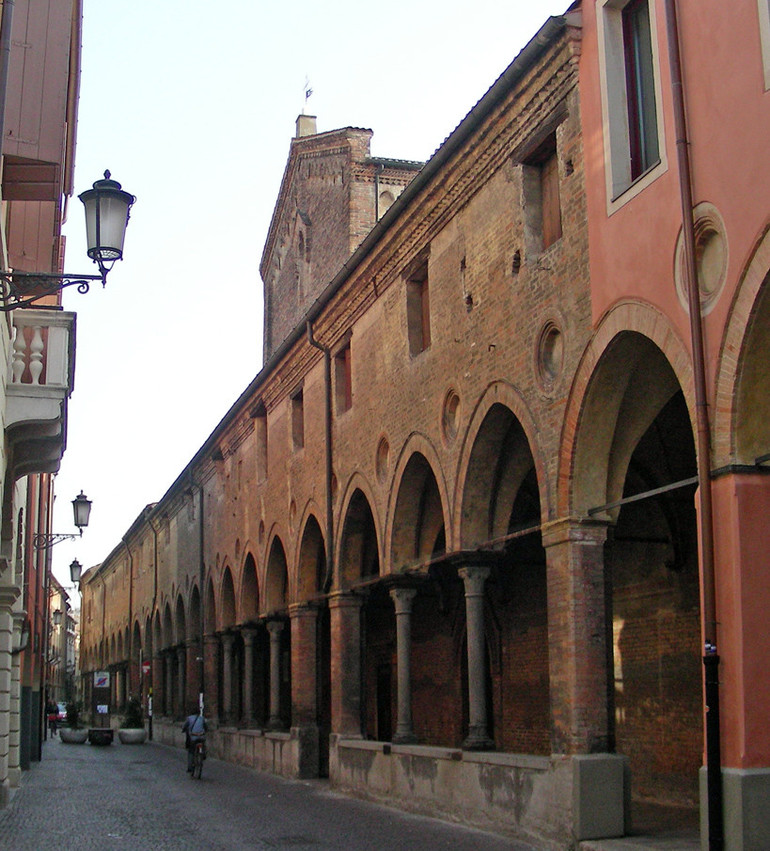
739,428
408,475
194,620
627,334
227,606
248,592
311,545
168,625
357,484
276,586
499,395
180,624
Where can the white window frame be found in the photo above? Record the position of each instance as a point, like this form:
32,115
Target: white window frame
612,77
763,7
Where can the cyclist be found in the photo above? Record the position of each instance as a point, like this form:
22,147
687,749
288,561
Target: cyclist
194,729
52,713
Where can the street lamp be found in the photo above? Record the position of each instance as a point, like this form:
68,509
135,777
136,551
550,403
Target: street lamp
81,507
75,570
57,617
107,209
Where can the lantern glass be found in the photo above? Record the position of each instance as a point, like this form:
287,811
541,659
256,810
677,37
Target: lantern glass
107,210
57,617
75,570
81,505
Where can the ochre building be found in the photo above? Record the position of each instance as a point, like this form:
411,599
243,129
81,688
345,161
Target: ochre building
496,505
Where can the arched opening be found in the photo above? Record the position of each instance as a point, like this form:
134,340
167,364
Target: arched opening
418,520
359,550
501,511
636,441
279,649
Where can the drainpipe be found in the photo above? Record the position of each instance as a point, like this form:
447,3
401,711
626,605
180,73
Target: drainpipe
201,574
152,618
329,465
131,618
710,657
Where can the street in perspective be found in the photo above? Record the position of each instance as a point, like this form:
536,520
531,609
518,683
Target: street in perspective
115,796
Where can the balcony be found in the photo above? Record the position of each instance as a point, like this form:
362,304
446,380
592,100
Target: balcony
42,372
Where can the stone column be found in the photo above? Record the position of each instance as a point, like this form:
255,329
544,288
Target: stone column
402,599
275,628
211,672
345,615
578,655
249,636
227,677
193,658
181,681
304,620
478,737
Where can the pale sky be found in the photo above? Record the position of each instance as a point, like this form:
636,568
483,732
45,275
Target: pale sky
191,105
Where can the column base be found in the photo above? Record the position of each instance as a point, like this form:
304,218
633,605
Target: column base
478,740
745,805
405,739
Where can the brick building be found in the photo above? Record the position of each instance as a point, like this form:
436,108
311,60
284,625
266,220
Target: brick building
444,548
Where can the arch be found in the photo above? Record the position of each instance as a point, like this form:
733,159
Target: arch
276,578
194,621
311,560
118,657
359,556
500,466
631,369
249,599
136,644
481,438
418,527
227,600
168,626
741,424
180,621
210,609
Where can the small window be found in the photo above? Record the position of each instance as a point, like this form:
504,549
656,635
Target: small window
297,420
418,309
343,380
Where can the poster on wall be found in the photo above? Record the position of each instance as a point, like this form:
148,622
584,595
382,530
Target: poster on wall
101,679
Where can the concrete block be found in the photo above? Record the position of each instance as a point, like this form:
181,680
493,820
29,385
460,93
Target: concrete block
598,798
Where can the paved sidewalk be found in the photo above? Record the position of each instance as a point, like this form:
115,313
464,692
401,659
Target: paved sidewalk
81,797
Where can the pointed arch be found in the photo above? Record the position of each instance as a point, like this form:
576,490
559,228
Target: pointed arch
311,560
276,579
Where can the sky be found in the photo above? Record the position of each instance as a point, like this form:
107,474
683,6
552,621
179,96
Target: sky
192,106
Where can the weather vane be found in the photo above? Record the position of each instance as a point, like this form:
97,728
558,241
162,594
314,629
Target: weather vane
308,92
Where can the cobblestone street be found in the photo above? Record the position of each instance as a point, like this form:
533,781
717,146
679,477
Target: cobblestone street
140,797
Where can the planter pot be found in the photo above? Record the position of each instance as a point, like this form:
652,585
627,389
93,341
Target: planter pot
132,735
72,737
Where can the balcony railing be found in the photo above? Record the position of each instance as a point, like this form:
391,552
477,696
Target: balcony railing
42,370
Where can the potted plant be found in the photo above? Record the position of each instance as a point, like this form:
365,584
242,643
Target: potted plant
132,730
74,733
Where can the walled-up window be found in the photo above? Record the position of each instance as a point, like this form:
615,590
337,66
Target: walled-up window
418,308
542,204
298,420
343,379
260,431
640,87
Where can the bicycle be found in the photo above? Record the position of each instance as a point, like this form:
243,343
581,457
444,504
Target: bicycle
199,754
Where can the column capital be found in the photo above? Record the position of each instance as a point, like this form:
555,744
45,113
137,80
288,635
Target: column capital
275,627
249,634
303,610
575,530
227,638
345,599
402,598
474,578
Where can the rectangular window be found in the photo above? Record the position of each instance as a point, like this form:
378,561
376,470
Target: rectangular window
630,88
297,420
343,380
640,88
418,309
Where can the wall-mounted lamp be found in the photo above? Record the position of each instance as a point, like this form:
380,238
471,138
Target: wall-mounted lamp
56,615
23,639
107,211
81,507
76,569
